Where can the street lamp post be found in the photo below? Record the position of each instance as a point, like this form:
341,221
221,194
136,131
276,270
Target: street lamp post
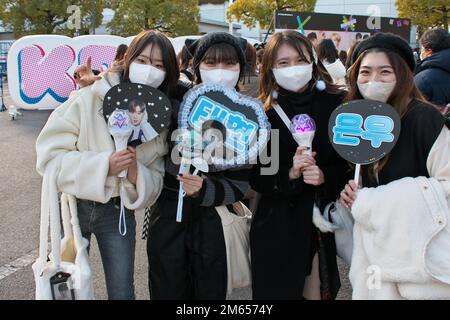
93,16
3,107
230,24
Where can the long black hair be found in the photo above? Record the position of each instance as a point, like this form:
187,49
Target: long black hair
326,50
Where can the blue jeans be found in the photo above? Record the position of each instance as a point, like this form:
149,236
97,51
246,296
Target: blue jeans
117,251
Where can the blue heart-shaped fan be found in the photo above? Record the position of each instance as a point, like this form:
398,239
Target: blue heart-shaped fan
240,119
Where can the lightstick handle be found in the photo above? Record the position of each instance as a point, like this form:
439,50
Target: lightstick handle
308,151
184,167
305,140
357,173
121,144
123,174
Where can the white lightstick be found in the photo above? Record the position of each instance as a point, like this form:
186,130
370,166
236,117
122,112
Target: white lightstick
119,125
120,128
191,153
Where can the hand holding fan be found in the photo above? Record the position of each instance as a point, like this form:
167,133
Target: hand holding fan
135,114
363,131
241,120
148,110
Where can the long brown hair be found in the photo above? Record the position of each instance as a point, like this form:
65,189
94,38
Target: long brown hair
139,43
120,52
250,58
297,41
400,98
348,60
404,90
184,58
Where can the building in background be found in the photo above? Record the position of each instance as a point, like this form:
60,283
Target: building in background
213,15
108,15
357,7
215,10
386,8
211,25
6,41
6,35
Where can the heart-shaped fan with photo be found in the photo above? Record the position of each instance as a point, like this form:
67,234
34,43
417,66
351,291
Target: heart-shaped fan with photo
142,110
219,128
240,121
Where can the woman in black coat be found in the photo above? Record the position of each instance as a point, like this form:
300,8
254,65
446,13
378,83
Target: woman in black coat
422,147
284,242
187,259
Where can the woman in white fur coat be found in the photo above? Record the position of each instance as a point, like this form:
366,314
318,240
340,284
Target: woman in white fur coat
382,70
78,132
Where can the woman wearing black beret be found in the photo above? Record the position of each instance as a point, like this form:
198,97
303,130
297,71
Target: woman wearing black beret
393,212
187,259
382,69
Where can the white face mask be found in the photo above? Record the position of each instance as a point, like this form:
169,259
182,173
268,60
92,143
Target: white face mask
336,70
293,78
374,90
220,76
146,74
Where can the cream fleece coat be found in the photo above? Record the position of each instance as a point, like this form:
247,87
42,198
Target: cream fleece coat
78,130
401,235
401,238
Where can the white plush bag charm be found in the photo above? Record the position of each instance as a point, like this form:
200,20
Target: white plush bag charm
68,255
236,233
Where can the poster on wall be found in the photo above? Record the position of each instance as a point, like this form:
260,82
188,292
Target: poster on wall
346,28
40,67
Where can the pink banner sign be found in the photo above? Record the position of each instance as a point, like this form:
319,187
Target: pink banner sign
40,68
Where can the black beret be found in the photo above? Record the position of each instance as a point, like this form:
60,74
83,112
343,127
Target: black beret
189,46
388,41
200,46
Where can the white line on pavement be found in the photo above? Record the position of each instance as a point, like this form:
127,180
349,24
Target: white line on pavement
18,264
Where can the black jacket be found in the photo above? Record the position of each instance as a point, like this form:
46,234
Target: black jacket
282,237
420,127
433,77
187,260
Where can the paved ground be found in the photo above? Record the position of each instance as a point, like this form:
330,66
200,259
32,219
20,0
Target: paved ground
19,216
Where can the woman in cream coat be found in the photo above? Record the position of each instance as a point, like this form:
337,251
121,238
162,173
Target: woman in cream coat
382,70
78,133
